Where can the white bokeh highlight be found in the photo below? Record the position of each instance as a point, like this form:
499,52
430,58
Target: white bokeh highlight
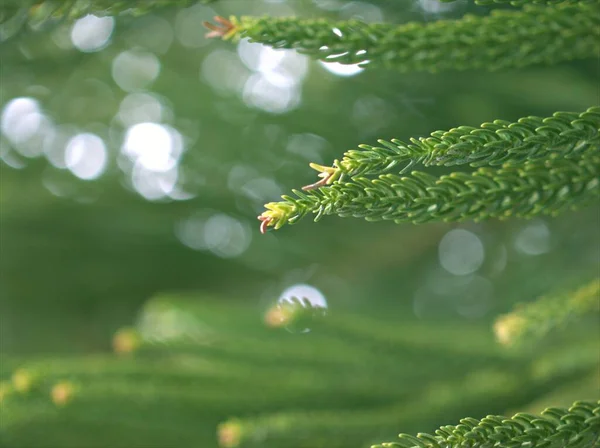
461,252
21,119
533,239
86,156
91,33
343,70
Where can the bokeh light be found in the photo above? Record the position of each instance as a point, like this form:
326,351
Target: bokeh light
461,252
91,33
86,156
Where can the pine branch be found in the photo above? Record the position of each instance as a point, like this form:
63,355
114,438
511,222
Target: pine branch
506,38
565,134
577,427
344,428
533,320
538,187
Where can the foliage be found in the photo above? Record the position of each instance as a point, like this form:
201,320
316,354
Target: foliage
578,426
193,366
533,320
504,39
540,175
564,135
201,359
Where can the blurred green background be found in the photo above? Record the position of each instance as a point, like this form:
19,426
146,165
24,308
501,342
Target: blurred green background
135,156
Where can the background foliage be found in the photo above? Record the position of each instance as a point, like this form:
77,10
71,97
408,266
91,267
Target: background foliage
135,156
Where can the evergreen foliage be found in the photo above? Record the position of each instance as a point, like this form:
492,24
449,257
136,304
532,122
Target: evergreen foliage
578,426
354,382
544,183
504,39
201,360
564,135
533,320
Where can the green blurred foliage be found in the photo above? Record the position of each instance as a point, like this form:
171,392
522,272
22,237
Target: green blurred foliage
406,345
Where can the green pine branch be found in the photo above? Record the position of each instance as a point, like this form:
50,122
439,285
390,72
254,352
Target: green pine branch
565,134
506,38
576,427
533,320
547,181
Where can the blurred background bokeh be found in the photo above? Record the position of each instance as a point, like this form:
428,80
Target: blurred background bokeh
135,156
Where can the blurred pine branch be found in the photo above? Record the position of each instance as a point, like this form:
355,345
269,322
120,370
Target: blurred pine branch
530,322
193,359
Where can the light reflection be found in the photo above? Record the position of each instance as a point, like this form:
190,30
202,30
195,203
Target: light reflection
461,252
154,146
294,306
275,85
304,291
85,156
344,70
91,33
261,93
533,239
21,119
134,70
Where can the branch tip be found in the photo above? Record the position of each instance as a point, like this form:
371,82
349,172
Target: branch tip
265,222
224,28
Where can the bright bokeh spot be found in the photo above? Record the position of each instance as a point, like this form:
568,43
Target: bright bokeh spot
275,86
461,252
304,291
344,70
91,33
533,239
285,313
86,156
154,146
21,119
